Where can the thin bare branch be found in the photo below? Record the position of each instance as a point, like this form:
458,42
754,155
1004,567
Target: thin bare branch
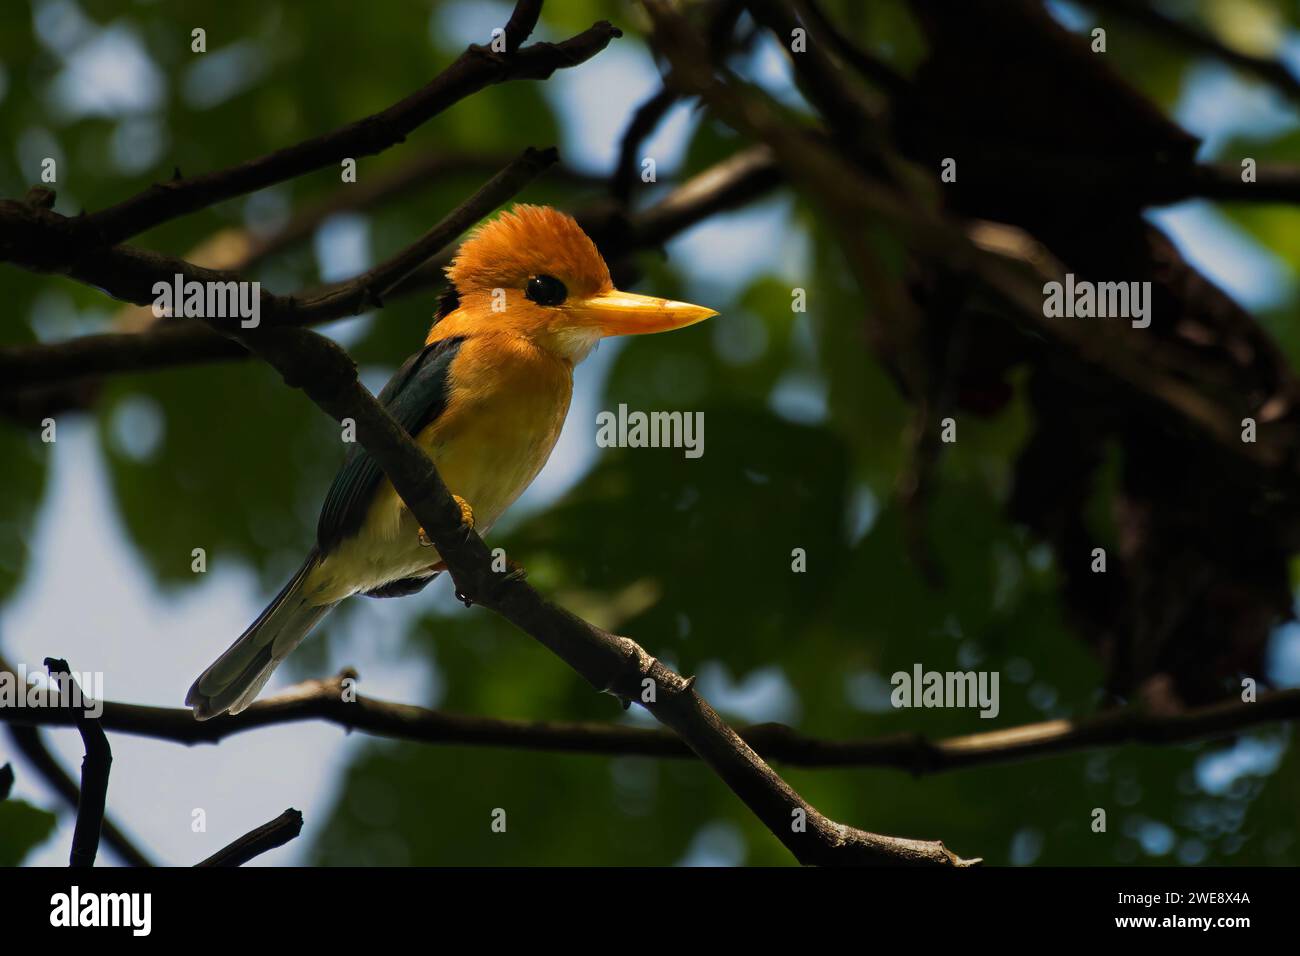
95,768
27,740
643,123
475,69
397,183
871,67
334,701
522,22
1273,183
268,836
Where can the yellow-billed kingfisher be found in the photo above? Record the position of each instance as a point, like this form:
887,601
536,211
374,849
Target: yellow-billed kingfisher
528,297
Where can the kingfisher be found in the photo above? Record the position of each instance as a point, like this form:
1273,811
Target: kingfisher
528,297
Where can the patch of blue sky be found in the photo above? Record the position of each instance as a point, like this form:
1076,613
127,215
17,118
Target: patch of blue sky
1219,769
719,843
1226,254
150,645
110,74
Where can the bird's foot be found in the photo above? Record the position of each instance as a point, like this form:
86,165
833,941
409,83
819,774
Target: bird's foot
514,571
466,518
466,512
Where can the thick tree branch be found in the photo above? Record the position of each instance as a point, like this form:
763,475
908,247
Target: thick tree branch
475,69
169,343
611,663
268,836
615,664
334,701
325,372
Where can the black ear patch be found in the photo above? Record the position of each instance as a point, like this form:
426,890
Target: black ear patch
448,302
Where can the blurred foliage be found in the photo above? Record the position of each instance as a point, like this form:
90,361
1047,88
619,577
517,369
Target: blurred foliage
690,557
22,827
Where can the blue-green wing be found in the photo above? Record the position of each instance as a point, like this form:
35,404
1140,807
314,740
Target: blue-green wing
416,395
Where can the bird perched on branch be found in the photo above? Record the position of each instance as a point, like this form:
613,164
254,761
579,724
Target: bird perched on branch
528,297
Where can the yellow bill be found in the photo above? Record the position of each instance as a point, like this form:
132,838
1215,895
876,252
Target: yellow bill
626,313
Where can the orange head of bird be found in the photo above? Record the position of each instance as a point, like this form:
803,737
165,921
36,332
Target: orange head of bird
532,271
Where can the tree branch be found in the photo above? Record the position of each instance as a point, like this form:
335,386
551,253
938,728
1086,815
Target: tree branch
871,67
29,234
268,836
1275,183
129,274
475,69
94,773
331,700
1165,27
369,288
643,123
522,22
814,166
615,664
1151,184
396,183
27,740
611,663
727,185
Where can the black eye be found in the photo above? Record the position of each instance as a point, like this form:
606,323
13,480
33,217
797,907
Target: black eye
545,290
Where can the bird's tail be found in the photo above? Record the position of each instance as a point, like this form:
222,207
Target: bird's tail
237,676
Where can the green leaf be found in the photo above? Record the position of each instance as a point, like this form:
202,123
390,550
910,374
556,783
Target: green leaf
23,827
